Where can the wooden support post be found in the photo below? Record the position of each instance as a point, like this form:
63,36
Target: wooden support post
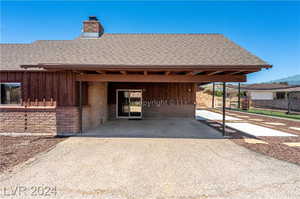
239,96
80,106
224,106
194,90
213,96
289,102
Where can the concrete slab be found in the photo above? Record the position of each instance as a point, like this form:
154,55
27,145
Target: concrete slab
254,141
295,128
293,144
209,115
257,120
243,116
256,130
155,128
275,123
233,114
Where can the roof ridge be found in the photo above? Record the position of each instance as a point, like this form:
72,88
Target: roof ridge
50,40
162,34
15,43
41,40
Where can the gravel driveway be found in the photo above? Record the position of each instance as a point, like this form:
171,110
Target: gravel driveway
185,167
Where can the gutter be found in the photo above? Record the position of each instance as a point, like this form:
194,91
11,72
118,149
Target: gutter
119,66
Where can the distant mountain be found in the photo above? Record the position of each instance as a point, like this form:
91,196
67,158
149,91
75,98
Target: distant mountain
292,80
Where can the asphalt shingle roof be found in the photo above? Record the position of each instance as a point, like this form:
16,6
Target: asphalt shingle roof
131,50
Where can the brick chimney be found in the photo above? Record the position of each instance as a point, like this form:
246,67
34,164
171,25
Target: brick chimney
92,28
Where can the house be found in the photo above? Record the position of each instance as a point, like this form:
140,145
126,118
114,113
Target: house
68,86
273,95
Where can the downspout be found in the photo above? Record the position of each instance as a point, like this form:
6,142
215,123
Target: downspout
224,105
213,96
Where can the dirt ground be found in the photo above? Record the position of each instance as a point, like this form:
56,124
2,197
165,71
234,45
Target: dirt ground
15,150
275,147
184,164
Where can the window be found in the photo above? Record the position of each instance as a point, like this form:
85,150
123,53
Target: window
10,93
280,95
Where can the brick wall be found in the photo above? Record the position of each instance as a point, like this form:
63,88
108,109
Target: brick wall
12,121
35,121
41,121
67,119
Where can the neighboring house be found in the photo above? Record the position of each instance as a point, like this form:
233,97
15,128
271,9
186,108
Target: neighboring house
66,86
273,95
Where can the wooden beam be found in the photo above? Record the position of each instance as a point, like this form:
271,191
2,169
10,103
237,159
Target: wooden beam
145,72
101,71
194,72
190,73
160,78
214,72
198,71
236,72
123,72
167,73
79,72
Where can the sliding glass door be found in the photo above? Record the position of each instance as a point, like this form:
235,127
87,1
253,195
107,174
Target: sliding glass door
129,103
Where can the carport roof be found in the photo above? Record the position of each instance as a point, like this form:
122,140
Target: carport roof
131,51
268,87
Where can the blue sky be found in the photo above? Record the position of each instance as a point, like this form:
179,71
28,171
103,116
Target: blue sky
270,29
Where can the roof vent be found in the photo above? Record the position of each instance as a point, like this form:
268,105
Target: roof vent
92,28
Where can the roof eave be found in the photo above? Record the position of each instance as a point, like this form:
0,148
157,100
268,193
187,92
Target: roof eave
60,66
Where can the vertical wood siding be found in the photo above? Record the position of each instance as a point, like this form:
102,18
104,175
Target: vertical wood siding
173,93
44,86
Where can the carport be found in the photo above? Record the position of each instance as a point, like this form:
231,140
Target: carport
170,89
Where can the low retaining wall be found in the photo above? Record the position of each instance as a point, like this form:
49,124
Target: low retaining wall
276,104
39,121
